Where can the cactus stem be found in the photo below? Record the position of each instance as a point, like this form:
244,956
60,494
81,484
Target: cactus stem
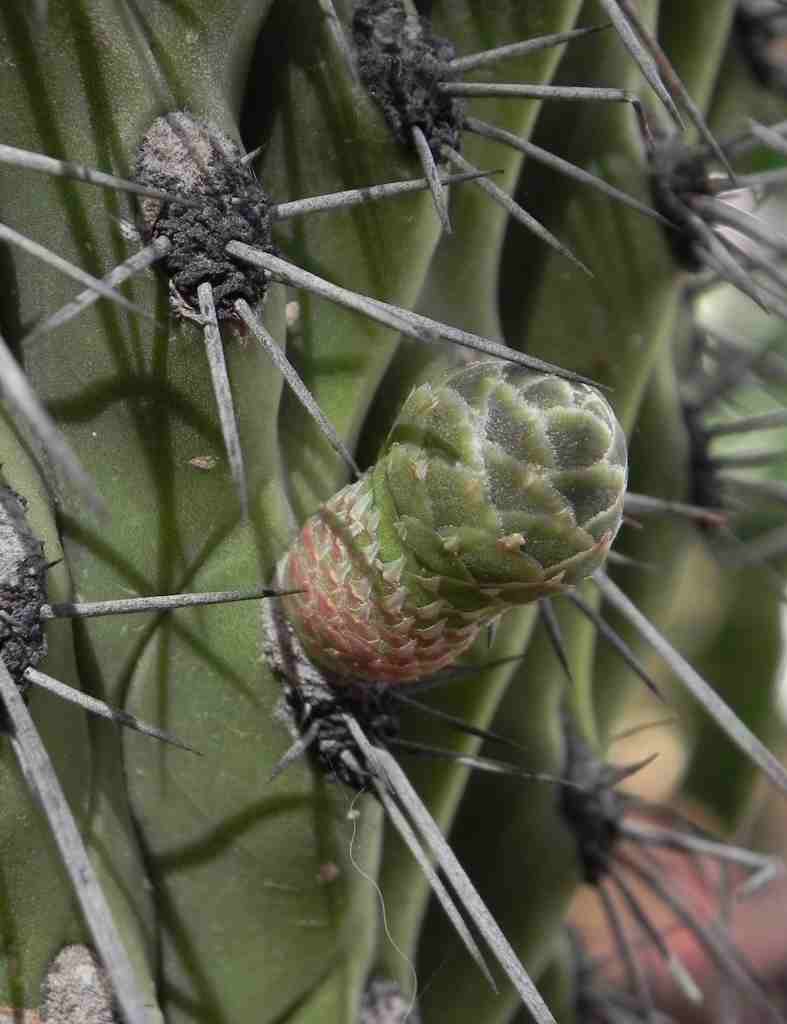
371,193
557,163
411,324
290,374
20,397
41,252
523,49
223,395
432,175
503,199
718,709
37,769
102,709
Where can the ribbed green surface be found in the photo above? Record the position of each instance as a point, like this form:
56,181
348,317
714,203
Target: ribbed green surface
495,487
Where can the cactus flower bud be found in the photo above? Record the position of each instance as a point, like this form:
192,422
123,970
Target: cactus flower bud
494,488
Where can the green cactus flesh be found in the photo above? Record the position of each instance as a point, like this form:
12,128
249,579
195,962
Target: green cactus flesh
496,487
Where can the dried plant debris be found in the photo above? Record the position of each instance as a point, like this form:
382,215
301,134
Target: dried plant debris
76,990
716,228
413,75
22,588
402,63
181,154
384,1003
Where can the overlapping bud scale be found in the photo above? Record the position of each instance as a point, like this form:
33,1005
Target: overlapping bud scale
495,487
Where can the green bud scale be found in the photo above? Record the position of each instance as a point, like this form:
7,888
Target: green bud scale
495,487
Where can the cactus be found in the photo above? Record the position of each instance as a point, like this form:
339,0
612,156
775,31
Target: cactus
196,416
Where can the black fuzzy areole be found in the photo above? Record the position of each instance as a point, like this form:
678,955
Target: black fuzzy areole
676,173
402,63
22,588
591,806
184,155
315,705
706,489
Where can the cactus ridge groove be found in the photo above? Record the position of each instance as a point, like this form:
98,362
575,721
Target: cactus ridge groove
24,610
